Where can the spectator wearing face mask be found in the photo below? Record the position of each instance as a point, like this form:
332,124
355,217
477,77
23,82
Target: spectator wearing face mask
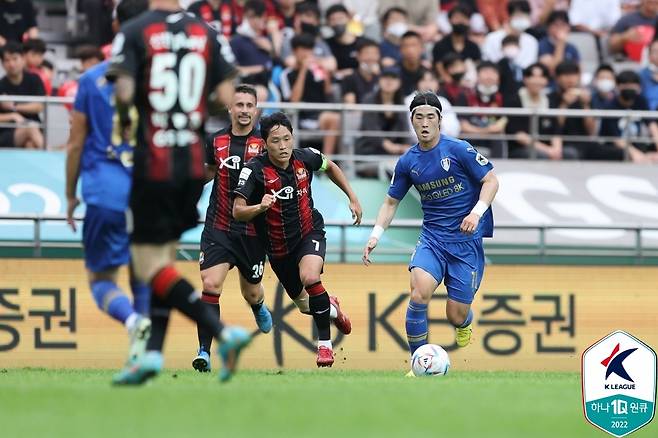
603,87
511,73
453,88
649,77
343,43
307,21
458,40
519,22
629,97
554,48
364,79
394,25
485,95
422,14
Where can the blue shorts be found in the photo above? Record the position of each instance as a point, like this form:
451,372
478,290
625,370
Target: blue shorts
105,238
461,264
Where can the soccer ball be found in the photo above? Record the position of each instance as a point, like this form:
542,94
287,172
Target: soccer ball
430,360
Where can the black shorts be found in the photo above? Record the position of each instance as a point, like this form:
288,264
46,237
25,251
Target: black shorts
287,268
162,211
7,137
245,252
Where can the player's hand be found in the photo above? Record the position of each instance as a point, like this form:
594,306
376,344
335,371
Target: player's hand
370,246
357,212
267,202
470,223
72,203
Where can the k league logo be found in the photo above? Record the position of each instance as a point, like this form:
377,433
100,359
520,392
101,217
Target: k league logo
619,384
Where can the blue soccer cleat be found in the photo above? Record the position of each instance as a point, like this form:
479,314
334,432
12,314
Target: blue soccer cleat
140,371
234,339
264,319
201,362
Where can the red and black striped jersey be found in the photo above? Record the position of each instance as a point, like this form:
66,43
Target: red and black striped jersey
176,62
229,153
292,216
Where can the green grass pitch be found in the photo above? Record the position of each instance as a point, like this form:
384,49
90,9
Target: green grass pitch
315,403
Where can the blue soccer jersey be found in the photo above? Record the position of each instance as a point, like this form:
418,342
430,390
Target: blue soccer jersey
105,167
447,178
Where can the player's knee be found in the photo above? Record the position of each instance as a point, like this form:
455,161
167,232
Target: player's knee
457,315
212,284
419,296
309,278
253,294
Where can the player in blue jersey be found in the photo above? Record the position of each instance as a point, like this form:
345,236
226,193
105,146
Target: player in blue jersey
456,185
104,164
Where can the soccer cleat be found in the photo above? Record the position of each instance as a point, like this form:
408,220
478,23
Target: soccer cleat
264,319
410,374
139,335
234,339
342,321
139,372
325,357
463,335
201,362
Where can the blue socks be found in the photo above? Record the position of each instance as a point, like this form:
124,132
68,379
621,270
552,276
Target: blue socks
110,299
141,297
468,320
416,323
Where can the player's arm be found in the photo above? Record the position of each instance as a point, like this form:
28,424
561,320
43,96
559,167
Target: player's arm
74,146
337,176
487,194
245,213
211,171
384,218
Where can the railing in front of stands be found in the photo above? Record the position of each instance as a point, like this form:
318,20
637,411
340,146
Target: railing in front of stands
342,249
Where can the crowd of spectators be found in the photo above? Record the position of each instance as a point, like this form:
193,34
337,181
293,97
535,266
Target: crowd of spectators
532,54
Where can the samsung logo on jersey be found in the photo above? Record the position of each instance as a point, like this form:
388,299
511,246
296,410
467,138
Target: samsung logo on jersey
436,184
179,41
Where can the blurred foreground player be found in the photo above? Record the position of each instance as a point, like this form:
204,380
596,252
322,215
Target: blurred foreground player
104,162
274,190
169,62
226,242
456,185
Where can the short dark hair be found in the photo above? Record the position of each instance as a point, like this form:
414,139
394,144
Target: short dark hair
450,59
269,122
306,8
335,8
510,39
255,6
47,64
89,51
518,6
460,8
628,77
247,89
426,98
486,64
411,34
34,45
386,15
362,43
567,68
302,40
128,9
12,47
604,67
527,72
557,16
422,72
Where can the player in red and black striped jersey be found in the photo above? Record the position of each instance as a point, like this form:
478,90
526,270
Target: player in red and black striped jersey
168,62
226,242
274,191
